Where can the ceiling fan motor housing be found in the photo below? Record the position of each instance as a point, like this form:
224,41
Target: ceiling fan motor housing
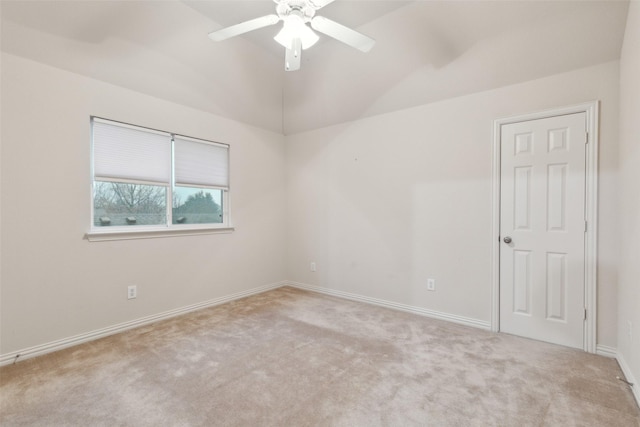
304,9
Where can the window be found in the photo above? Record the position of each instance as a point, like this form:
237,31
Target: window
145,179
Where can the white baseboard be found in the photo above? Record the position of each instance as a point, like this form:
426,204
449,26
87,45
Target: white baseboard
635,389
397,306
38,350
606,351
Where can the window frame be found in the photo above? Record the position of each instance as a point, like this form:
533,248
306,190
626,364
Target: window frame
168,229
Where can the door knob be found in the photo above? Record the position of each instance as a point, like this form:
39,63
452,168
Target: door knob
507,239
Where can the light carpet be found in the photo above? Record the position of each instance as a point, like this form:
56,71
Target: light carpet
295,358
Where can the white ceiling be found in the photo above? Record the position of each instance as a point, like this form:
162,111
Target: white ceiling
425,51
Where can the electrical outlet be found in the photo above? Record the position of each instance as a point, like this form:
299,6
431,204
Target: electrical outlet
132,292
312,266
431,284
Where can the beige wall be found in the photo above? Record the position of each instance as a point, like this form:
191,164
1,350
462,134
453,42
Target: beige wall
629,288
55,284
380,204
383,203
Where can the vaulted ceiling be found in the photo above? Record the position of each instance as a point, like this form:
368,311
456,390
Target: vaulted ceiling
426,51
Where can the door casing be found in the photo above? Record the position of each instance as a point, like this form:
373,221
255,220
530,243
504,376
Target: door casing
592,110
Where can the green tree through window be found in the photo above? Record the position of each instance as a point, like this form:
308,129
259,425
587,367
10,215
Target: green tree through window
198,208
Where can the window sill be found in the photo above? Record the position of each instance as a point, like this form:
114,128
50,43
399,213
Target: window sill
105,236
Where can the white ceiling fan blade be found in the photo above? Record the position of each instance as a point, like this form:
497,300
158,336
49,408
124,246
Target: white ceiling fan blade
341,33
244,27
318,4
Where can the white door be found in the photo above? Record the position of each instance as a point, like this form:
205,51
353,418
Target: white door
542,229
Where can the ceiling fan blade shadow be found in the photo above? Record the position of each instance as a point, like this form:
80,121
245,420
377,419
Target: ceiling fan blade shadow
244,27
341,33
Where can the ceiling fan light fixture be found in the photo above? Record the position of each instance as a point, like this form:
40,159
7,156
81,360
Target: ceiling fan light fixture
295,28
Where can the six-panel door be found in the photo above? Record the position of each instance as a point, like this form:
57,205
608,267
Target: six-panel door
542,216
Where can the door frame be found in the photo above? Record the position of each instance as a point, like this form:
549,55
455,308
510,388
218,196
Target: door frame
592,110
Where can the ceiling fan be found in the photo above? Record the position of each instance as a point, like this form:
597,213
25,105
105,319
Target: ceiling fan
295,34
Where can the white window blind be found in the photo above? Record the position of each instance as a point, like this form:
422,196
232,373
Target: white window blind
127,153
201,163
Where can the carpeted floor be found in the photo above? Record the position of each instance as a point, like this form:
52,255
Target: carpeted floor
294,358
